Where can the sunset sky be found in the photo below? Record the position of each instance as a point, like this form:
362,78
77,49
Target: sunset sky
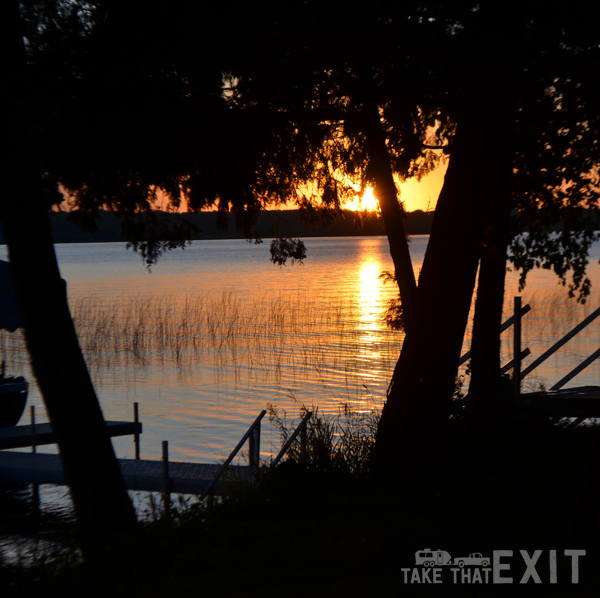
416,195
423,195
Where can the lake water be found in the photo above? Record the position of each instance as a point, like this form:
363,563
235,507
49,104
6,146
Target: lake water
216,332
241,333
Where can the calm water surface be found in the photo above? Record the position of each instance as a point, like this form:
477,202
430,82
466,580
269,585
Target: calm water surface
216,332
330,345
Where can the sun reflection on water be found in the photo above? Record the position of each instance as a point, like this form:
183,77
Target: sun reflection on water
369,296
371,300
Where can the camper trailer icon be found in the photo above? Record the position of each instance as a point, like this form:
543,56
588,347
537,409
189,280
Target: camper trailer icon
432,558
438,558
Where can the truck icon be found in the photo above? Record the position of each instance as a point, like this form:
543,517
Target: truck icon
474,559
438,558
432,558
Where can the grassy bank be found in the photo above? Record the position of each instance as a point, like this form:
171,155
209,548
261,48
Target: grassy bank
322,530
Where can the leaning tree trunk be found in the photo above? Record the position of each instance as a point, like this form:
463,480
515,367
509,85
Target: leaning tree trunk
489,396
91,469
413,427
415,417
391,211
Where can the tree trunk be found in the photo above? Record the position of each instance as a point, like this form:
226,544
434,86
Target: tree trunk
91,469
415,417
489,395
391,212
413,428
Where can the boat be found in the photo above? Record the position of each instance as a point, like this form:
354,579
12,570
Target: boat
13,396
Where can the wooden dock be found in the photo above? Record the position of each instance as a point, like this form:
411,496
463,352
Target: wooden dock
581,403
577,404
42,434
139,474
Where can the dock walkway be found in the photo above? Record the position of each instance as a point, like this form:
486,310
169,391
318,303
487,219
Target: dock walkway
582,402
41,434
578,403
139,474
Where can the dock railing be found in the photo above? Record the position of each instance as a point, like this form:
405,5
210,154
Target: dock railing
507,324
566,338
520,354
300,429
253,438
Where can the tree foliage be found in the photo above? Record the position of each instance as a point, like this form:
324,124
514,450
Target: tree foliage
556,175
252,105
129,106
148,100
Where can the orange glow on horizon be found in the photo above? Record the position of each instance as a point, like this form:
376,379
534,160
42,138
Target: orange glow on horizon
367,202
423,194
415,195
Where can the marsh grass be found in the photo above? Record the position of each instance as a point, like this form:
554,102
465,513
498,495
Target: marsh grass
354,535
251,339
341,442
278,339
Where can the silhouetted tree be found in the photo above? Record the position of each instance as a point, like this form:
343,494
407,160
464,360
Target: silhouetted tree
499,79
101,102
91,469
553,193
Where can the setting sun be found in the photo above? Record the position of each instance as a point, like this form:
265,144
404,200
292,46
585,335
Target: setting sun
415,195
367,202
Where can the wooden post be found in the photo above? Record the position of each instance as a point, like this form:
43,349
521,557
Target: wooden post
254,446
32,411
525,309
303,442
300,429
35,488
251,449
136,437
517,347
166,479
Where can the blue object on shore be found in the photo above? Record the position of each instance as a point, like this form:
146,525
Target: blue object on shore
10,318
13,390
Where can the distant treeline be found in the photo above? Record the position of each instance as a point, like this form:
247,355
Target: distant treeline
270,224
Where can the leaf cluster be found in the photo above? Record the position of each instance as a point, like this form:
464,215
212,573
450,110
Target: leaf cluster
283,249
